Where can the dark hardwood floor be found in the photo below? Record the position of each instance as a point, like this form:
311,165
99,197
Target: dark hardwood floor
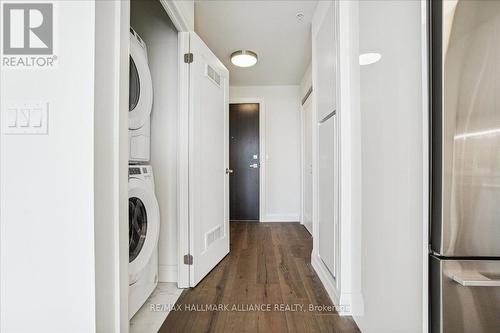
269,263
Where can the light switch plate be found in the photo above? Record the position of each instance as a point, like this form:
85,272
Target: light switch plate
25,118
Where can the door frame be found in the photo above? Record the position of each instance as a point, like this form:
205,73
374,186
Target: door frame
121,40
309,102
183,273
426,165
262,148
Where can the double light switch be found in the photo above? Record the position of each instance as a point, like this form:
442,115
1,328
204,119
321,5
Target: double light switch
26,118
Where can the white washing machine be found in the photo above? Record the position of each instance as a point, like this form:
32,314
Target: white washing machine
140,100
144,231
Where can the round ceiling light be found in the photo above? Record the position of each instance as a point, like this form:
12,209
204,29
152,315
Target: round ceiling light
244,58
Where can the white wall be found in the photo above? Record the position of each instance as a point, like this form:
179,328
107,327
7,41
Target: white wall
154,26
306,82
282,148
392,167
186,9
47,185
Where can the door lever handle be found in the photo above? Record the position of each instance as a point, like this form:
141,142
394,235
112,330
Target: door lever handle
228,171
254,166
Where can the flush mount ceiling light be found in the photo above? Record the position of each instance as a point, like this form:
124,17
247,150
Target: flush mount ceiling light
244,58
369,58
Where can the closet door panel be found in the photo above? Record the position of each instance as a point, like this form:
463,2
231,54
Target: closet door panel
325,86
327,199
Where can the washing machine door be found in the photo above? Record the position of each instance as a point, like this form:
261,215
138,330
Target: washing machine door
140,86
144,226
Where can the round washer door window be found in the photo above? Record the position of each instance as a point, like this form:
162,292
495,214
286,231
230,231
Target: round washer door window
138,227
134,86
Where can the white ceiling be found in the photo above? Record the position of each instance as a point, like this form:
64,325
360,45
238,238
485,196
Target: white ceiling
269,28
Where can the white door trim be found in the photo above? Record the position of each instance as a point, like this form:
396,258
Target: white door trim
307,102
115,107
175,14
262,150
301,122
425,169
183,164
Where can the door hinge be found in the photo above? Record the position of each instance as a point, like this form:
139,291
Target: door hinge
188,259
188,58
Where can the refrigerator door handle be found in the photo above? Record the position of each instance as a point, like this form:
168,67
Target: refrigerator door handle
474,279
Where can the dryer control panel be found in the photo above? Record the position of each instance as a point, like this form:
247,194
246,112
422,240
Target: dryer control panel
137,171
134,171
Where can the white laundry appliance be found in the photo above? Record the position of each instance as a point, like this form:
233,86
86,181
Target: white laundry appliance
140,100
144,229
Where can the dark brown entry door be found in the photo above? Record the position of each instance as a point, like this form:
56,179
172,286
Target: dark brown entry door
244,161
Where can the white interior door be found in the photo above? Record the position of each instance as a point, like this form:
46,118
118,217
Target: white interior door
208,159
328,193
307,167
327,159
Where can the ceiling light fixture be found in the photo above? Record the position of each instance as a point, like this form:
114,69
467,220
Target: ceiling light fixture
369,58
244,58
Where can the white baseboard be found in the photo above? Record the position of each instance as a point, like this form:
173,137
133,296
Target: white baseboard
280,218
347,304
329,284
167,273
356,302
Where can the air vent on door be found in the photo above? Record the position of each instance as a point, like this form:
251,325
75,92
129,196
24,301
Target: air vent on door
213,75
213,235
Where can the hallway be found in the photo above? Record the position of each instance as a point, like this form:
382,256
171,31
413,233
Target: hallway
268,267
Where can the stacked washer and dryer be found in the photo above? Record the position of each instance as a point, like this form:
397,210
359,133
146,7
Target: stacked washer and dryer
144,212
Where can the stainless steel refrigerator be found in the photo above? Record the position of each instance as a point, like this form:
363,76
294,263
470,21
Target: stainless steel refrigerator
465,166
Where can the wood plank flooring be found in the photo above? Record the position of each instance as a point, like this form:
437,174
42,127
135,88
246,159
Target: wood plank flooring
268,266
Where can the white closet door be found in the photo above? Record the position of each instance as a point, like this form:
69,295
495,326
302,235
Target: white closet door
208,159
325,61
328,193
